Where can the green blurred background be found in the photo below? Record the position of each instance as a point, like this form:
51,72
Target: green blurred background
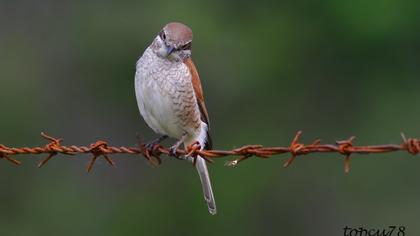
269,68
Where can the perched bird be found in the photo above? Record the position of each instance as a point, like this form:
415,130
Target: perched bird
170,97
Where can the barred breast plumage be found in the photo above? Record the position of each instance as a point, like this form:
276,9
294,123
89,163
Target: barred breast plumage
166,96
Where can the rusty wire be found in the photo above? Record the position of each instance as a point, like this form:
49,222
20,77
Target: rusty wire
153,155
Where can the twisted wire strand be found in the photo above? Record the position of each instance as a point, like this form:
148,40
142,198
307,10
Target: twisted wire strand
153,155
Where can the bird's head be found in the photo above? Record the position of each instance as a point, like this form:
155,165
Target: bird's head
173,42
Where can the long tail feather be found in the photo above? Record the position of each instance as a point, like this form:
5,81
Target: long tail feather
201,166
206,184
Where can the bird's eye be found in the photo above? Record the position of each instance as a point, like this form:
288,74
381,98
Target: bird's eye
186,46
162,35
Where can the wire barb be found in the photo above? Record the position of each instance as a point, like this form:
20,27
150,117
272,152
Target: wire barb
294,149
412,145
344,147
53,146
99,149
4,154
153,155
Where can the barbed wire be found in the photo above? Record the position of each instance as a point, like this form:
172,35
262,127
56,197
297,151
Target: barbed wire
153,155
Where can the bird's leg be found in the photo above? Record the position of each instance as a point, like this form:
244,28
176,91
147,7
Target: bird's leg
150,145
174,148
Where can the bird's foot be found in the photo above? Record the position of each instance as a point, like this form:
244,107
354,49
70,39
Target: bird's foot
173,151
152,144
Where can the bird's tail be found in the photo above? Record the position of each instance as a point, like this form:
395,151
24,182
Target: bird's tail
203,172
206,184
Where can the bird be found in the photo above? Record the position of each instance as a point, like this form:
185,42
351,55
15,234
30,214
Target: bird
170,97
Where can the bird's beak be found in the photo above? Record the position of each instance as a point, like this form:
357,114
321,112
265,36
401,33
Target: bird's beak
165,51
169,50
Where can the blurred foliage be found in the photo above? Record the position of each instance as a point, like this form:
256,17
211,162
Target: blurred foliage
269,68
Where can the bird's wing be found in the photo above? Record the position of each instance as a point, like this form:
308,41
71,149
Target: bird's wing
195,79
196,83
201,163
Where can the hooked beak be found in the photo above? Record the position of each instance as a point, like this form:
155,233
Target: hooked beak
169,50
165,51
